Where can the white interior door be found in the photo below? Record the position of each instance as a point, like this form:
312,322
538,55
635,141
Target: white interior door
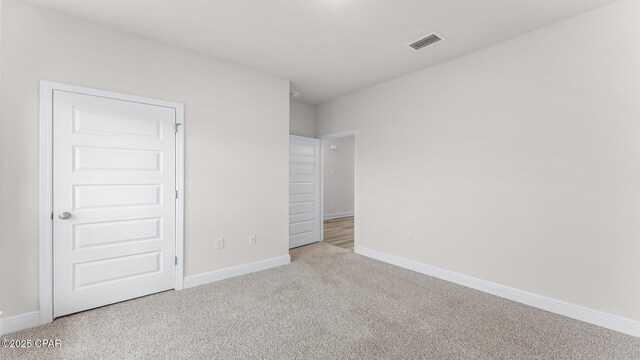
304,191
114,190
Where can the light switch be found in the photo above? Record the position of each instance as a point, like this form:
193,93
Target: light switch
371,185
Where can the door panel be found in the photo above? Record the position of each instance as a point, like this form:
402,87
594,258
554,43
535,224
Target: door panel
98,272
304,191
115,232
97,158
104,196
114,172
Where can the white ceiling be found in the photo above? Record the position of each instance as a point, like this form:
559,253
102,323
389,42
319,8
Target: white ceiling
326,47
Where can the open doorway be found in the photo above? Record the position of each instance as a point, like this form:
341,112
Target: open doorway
338,154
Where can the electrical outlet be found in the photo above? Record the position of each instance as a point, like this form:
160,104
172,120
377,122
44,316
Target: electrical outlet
410,237
220,244
252,239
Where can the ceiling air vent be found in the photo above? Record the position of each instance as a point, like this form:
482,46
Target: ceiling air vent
429,40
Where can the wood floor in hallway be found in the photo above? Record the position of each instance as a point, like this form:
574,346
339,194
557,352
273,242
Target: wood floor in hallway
339,232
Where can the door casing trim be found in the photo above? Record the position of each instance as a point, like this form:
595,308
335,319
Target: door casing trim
356,181
46,185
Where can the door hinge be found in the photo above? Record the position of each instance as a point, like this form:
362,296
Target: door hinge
177,127
176,194
176,260
51,216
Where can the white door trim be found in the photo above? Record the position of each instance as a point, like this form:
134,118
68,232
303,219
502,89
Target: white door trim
46,185
356,176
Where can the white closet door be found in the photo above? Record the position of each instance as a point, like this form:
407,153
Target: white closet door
304,191
113,199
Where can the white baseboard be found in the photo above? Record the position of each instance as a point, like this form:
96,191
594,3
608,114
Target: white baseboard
205,278
19,322
338,215
31,319
595,317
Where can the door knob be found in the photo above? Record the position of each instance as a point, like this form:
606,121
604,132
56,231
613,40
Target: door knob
64,216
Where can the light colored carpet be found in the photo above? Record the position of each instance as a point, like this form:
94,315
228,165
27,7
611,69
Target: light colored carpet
329,303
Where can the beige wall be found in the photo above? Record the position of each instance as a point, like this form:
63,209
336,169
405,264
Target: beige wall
518,164
302,119
337,177
236,140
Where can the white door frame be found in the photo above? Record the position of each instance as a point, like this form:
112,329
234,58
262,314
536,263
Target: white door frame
46,185
356,176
